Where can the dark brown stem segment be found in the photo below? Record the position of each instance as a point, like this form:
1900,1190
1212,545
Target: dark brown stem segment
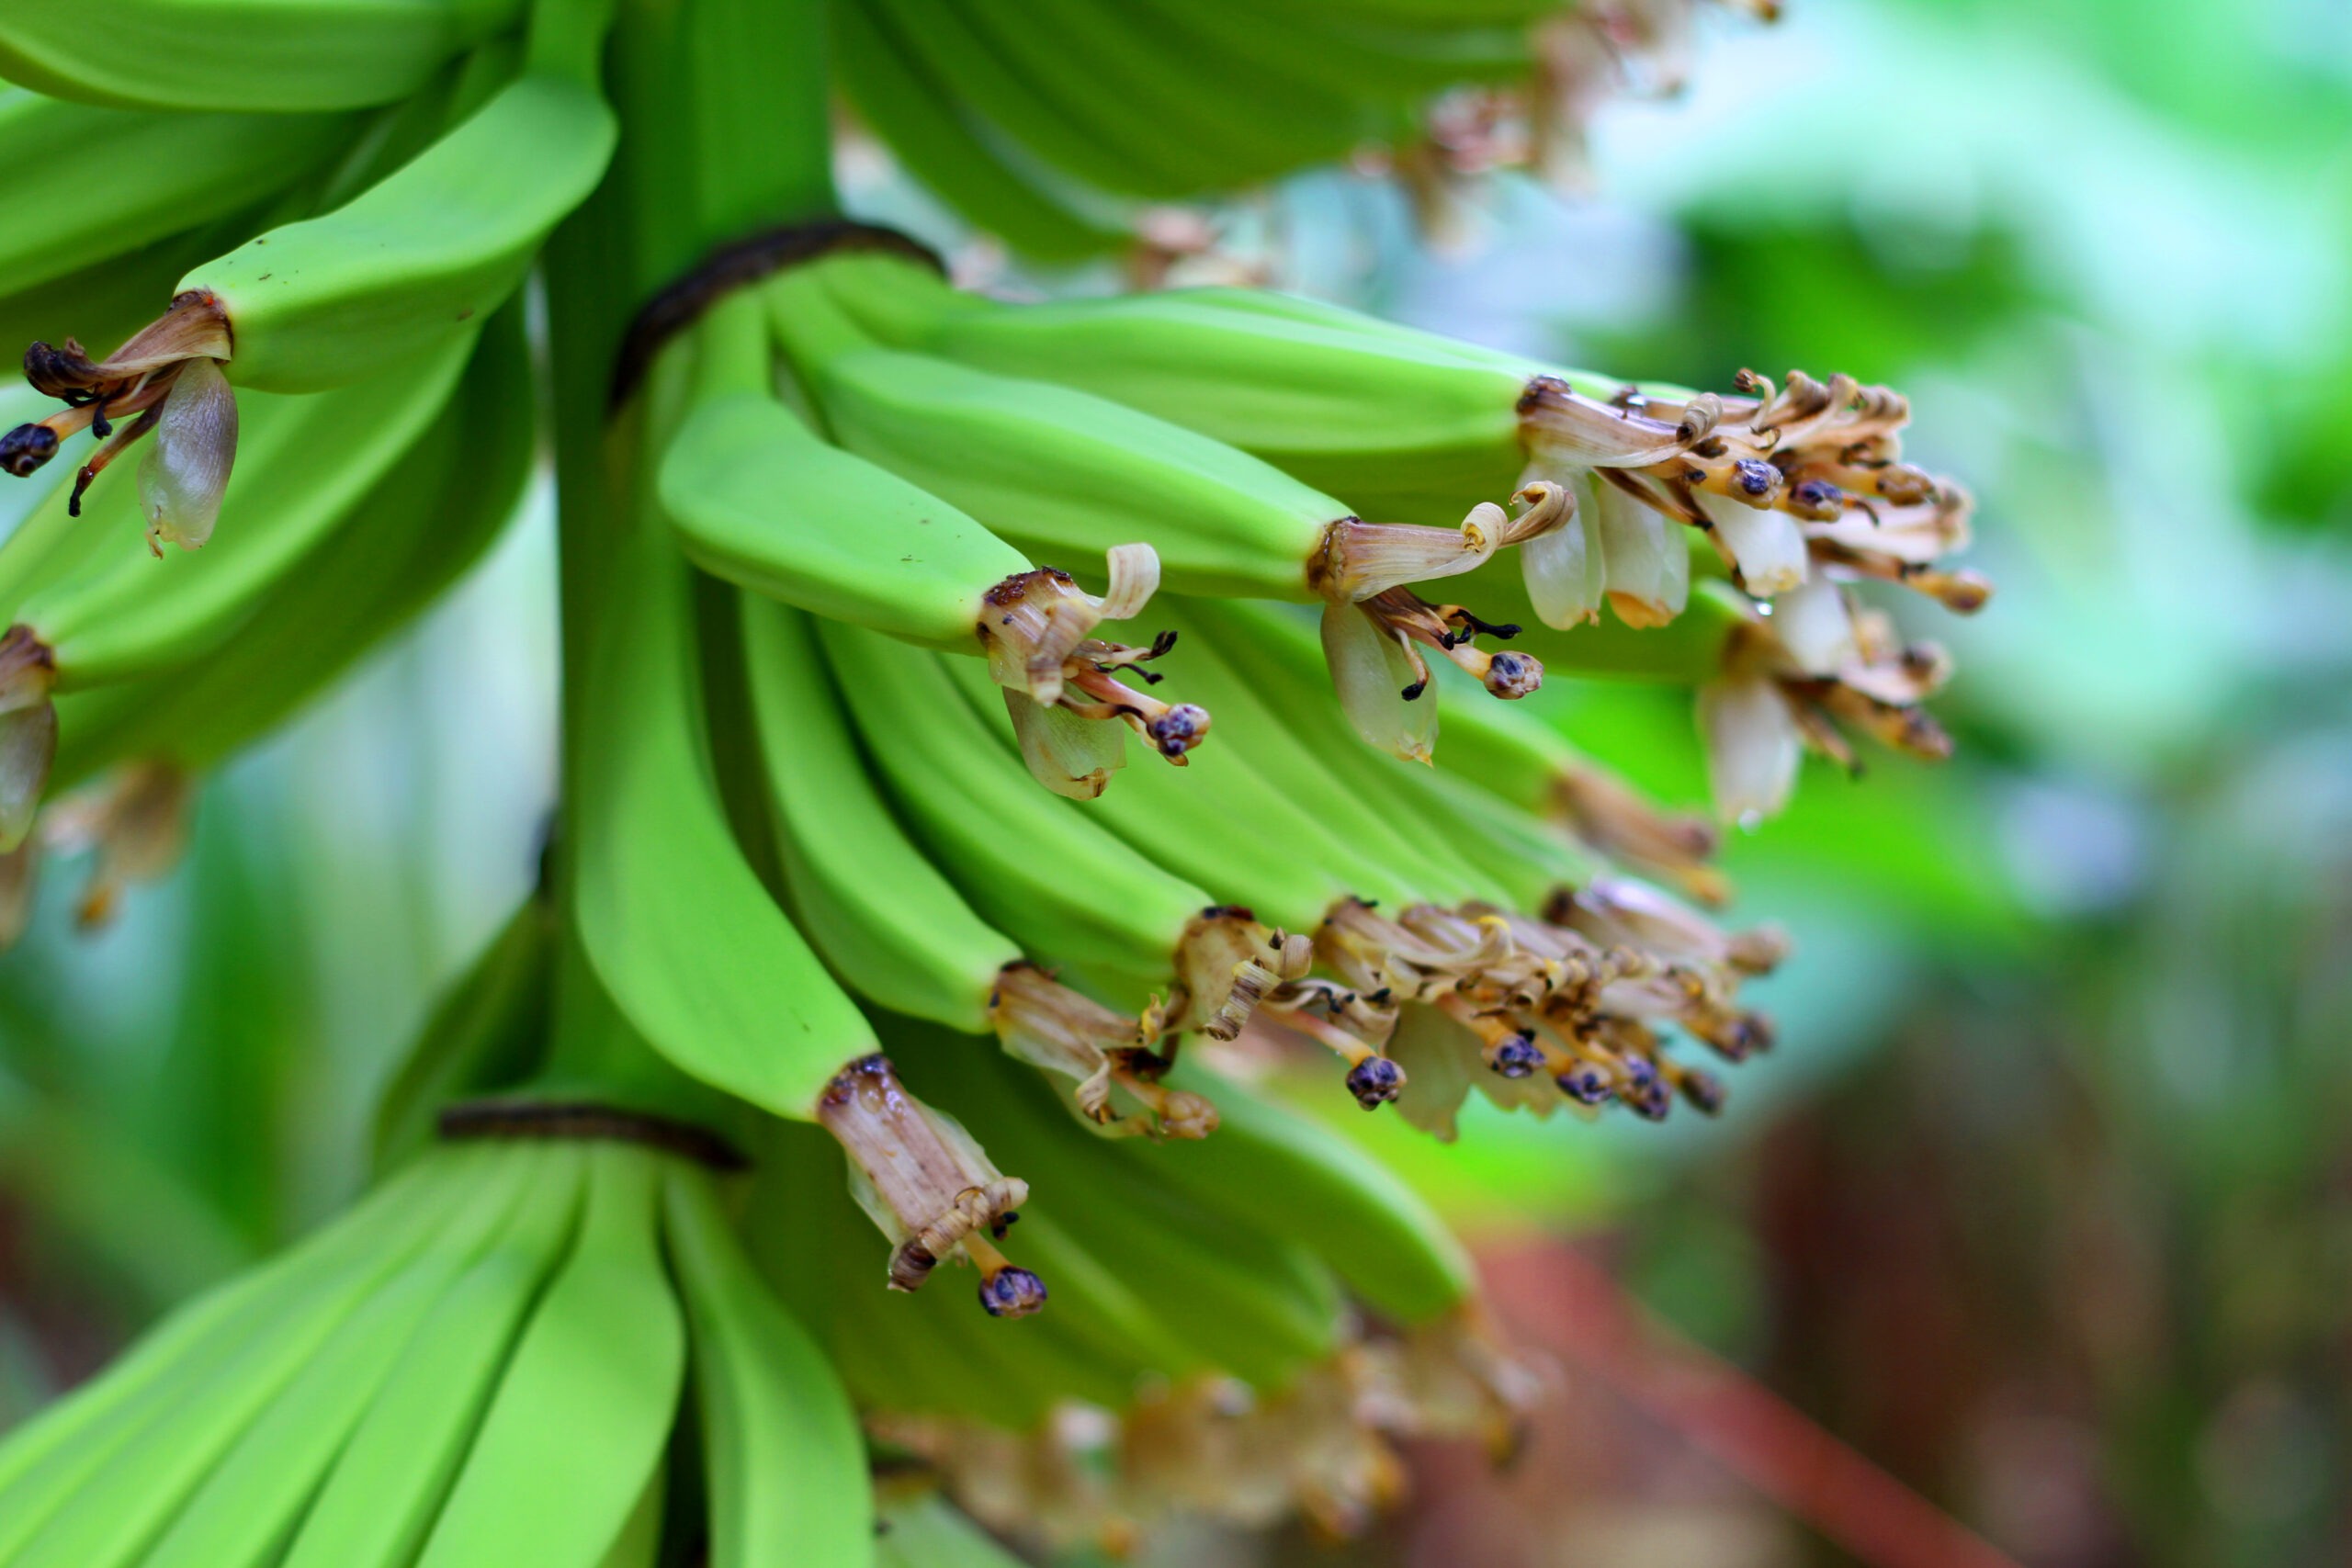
737,265
585,1121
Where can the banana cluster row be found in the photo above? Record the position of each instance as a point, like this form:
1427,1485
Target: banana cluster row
482,1363
1056,125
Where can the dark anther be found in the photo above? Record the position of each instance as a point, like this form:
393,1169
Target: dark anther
1152,677
1160,644
1413,692
1011,1292
1374,1081
1711,448
1650,1104
1003,1223
1585,1084
81,483
1179,729
1818,501
1704,1091
1513,675
25,449
1517,1057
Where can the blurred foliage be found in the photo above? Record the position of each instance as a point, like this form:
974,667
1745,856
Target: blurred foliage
2045,1202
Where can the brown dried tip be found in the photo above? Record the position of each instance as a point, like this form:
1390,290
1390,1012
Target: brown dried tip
1051,1027
1776,475
1036,628
28,731
1227,964
136,823
1411,623
133,382
918,1175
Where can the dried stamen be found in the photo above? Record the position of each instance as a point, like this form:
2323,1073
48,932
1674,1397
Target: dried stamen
918,1175
1036,627
1049,1026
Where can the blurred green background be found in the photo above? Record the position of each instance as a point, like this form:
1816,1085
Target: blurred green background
2045,1202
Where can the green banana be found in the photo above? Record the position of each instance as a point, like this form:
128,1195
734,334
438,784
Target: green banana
885,919
760,499
388,1481
1256,1307
1405,425
1279,743
584,1407
55,220
293,55
1031,864
1105,70
676,923
1524,759
308,461
57,1446
410,263
1276,1170
1056,470
256,1493
1517,861
880,913
1089,142
785,1460
930,131
1219,820
1398,60
99,1495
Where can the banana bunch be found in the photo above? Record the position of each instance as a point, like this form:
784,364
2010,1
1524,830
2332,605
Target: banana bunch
348,351
840,545
490,1360
1207,1349
1049,122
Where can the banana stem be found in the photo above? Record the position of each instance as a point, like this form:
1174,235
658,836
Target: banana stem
725,130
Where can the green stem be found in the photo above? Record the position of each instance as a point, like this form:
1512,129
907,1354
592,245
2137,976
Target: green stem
724,130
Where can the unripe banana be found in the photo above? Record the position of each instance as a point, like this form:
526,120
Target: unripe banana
676,923
97,1497
424,255
163,175
1030,863
561,1458
782,1454
447,500
761,500
307,463
922,119
263,1484
1245,1301
1287,751
293,55
1222,823
390,1479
